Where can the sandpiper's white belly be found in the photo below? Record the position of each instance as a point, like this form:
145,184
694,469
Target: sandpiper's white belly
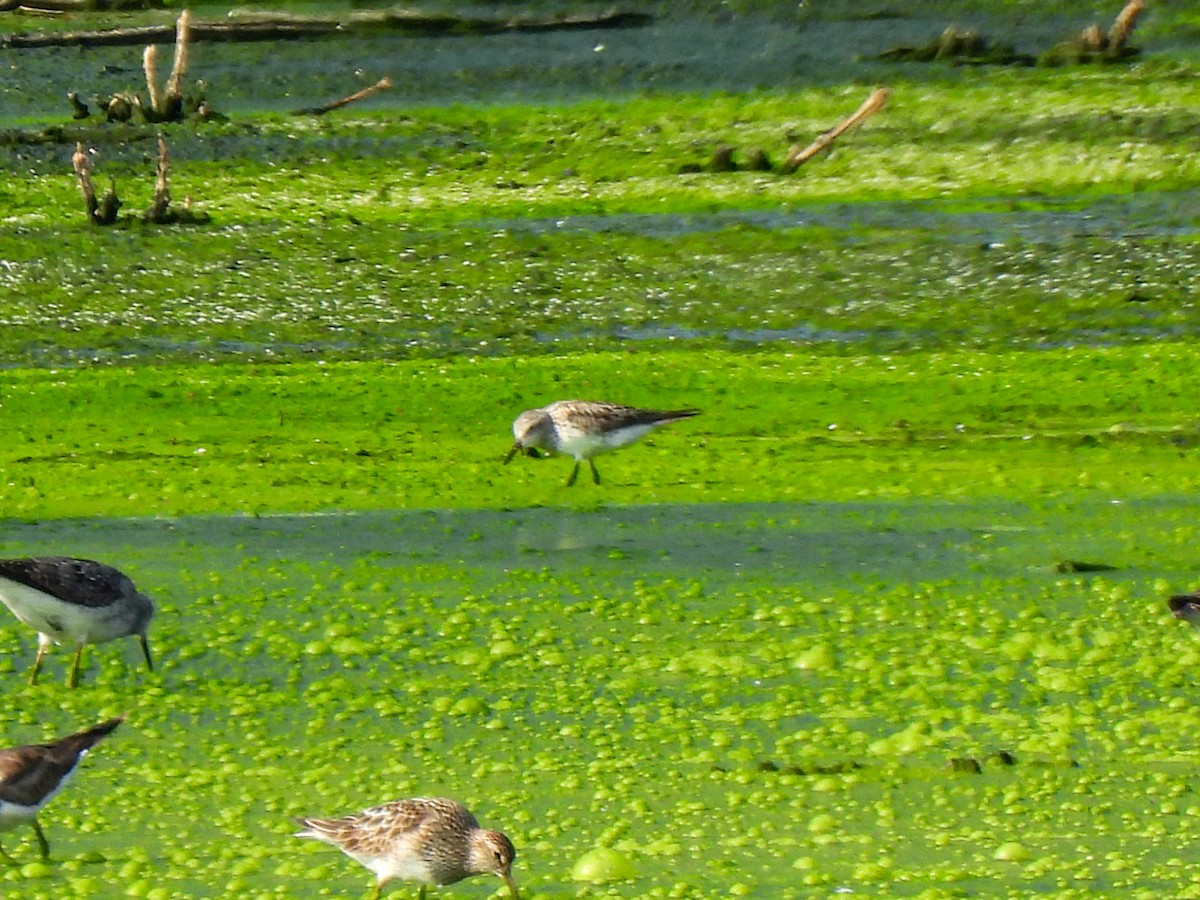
584,444
401,860
59,619
14,814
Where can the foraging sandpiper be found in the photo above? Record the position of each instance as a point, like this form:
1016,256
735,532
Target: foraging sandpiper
30,776
76,600
426,840
583,429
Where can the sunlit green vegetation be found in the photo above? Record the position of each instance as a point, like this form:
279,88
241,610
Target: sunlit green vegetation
939,369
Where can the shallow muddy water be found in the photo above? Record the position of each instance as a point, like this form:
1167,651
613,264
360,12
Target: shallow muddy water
1150,214
726,52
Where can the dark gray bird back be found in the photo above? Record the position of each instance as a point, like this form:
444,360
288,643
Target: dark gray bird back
83,582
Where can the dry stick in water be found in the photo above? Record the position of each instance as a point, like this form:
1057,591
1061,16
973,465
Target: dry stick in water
100,212
162,194
183,37
797,157
1122,27
149,66
381,84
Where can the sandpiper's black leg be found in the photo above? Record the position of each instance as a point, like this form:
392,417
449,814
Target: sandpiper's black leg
43,844
146,652
595,472
574,473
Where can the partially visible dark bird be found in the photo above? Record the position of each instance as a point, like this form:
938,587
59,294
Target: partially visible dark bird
1186,607
76,600
30,776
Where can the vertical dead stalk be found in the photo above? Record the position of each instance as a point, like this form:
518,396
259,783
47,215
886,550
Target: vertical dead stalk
159,210
1123,26
167,105
797,157
150,67
99,211
183,37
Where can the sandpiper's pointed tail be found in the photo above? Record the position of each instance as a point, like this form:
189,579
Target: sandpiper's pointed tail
82,741
634,416
331,831
674,415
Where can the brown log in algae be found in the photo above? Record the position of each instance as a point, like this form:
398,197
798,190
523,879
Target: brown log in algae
797,157
382,84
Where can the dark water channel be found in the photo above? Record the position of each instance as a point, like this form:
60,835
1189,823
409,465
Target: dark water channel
692,51
823,545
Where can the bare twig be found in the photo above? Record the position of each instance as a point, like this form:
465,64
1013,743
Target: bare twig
1123,26
100,212
82,164
183,39
150,67
797,157
382,84
159,210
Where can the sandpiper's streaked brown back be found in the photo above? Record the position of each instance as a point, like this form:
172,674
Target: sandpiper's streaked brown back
31,775
584,429
427,840
80,601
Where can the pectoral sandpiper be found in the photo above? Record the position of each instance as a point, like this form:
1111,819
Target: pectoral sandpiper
425,840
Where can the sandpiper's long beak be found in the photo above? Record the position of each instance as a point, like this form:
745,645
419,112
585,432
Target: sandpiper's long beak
146,651
512,452
512,885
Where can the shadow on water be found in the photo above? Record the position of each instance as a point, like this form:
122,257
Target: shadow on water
1150,214
812,546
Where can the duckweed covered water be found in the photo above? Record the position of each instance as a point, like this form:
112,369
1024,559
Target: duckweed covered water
834,635
762,700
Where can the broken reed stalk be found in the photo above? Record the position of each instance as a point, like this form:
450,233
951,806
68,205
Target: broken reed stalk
159,210
150,67
797,157
82,164
382,84
183,38
99,212
1123,26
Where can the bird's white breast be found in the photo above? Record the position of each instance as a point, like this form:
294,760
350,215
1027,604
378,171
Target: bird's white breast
584,444
401,861
57,618
14,814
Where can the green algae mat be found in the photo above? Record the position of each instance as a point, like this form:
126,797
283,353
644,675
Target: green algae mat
784,700
886,620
